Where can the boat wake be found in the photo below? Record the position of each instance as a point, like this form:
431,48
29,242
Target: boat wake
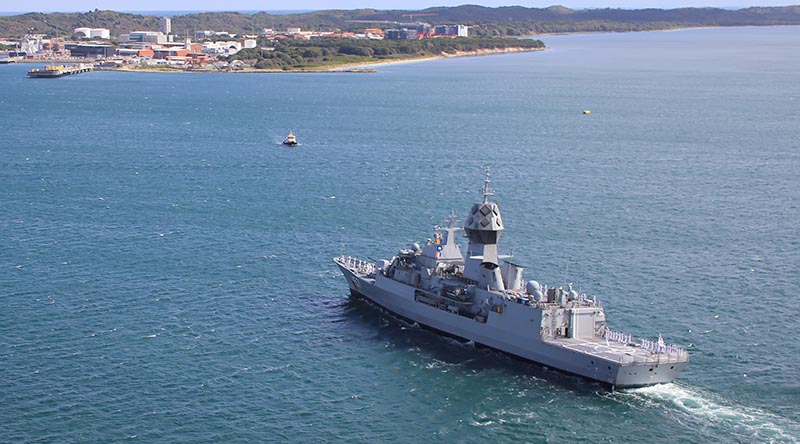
709,410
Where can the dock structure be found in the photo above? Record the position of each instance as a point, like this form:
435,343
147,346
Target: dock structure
53,71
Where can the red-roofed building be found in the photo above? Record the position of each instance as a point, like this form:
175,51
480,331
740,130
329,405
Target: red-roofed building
163,53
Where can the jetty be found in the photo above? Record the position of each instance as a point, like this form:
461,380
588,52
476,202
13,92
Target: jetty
53,71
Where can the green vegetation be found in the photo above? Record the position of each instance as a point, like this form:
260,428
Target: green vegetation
502,21
62,24
301,54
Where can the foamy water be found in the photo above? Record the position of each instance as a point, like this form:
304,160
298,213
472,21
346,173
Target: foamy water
696,405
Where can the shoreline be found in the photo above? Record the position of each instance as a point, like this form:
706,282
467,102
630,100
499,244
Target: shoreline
356,67
476,53
371,66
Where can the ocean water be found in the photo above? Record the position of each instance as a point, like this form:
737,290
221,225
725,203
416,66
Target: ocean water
166,273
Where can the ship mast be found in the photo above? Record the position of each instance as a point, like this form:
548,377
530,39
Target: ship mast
487,191
484,227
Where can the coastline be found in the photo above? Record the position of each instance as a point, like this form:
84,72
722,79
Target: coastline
372,66
357,67
477,53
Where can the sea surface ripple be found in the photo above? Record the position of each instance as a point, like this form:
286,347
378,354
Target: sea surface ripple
166,270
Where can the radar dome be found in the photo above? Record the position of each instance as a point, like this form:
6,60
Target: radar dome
532,287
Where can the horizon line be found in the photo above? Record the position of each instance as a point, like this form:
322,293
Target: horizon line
377,9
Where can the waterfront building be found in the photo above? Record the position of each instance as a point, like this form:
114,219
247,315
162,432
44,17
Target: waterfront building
90,51
145,52
451,30
408,31
170,52
400,34
221,48
32,44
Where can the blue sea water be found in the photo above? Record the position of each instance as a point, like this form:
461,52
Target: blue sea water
166,273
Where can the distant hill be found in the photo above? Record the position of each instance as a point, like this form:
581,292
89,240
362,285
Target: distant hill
501,21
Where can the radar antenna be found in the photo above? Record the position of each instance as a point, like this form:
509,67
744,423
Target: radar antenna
451,224
452,219
487,191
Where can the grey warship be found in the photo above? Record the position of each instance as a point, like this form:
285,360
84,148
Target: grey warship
483,298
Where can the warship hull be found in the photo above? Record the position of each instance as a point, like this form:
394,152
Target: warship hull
516,331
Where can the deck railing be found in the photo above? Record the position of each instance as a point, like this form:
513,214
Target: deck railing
358,265
656,348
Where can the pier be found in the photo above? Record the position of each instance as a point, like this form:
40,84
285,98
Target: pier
53,71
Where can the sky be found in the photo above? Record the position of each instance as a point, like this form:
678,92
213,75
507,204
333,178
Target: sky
268,5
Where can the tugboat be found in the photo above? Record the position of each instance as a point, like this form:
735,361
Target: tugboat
482,297
290,140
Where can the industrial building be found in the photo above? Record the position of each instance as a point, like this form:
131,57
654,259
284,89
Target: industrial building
144,37
93,33
90,51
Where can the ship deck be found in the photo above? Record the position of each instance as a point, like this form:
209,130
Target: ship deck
616,351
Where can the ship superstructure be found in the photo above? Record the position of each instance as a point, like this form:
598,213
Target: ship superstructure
482,297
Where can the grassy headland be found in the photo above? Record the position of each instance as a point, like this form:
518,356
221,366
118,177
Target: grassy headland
330,53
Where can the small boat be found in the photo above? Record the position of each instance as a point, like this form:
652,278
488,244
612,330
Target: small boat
290,140
587,111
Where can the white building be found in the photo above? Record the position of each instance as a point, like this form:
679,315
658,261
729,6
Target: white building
93,33
217,48
166,25
144,37
463,31
250,43
32,43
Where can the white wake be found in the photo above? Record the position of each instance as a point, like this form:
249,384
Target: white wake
746,423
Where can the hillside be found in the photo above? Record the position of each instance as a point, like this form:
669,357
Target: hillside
312,54
501,21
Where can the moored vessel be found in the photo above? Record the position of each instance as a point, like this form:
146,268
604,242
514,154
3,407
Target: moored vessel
54,71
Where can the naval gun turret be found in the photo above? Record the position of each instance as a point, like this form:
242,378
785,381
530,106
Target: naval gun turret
484,227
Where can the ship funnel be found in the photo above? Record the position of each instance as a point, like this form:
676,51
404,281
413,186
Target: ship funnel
512,275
